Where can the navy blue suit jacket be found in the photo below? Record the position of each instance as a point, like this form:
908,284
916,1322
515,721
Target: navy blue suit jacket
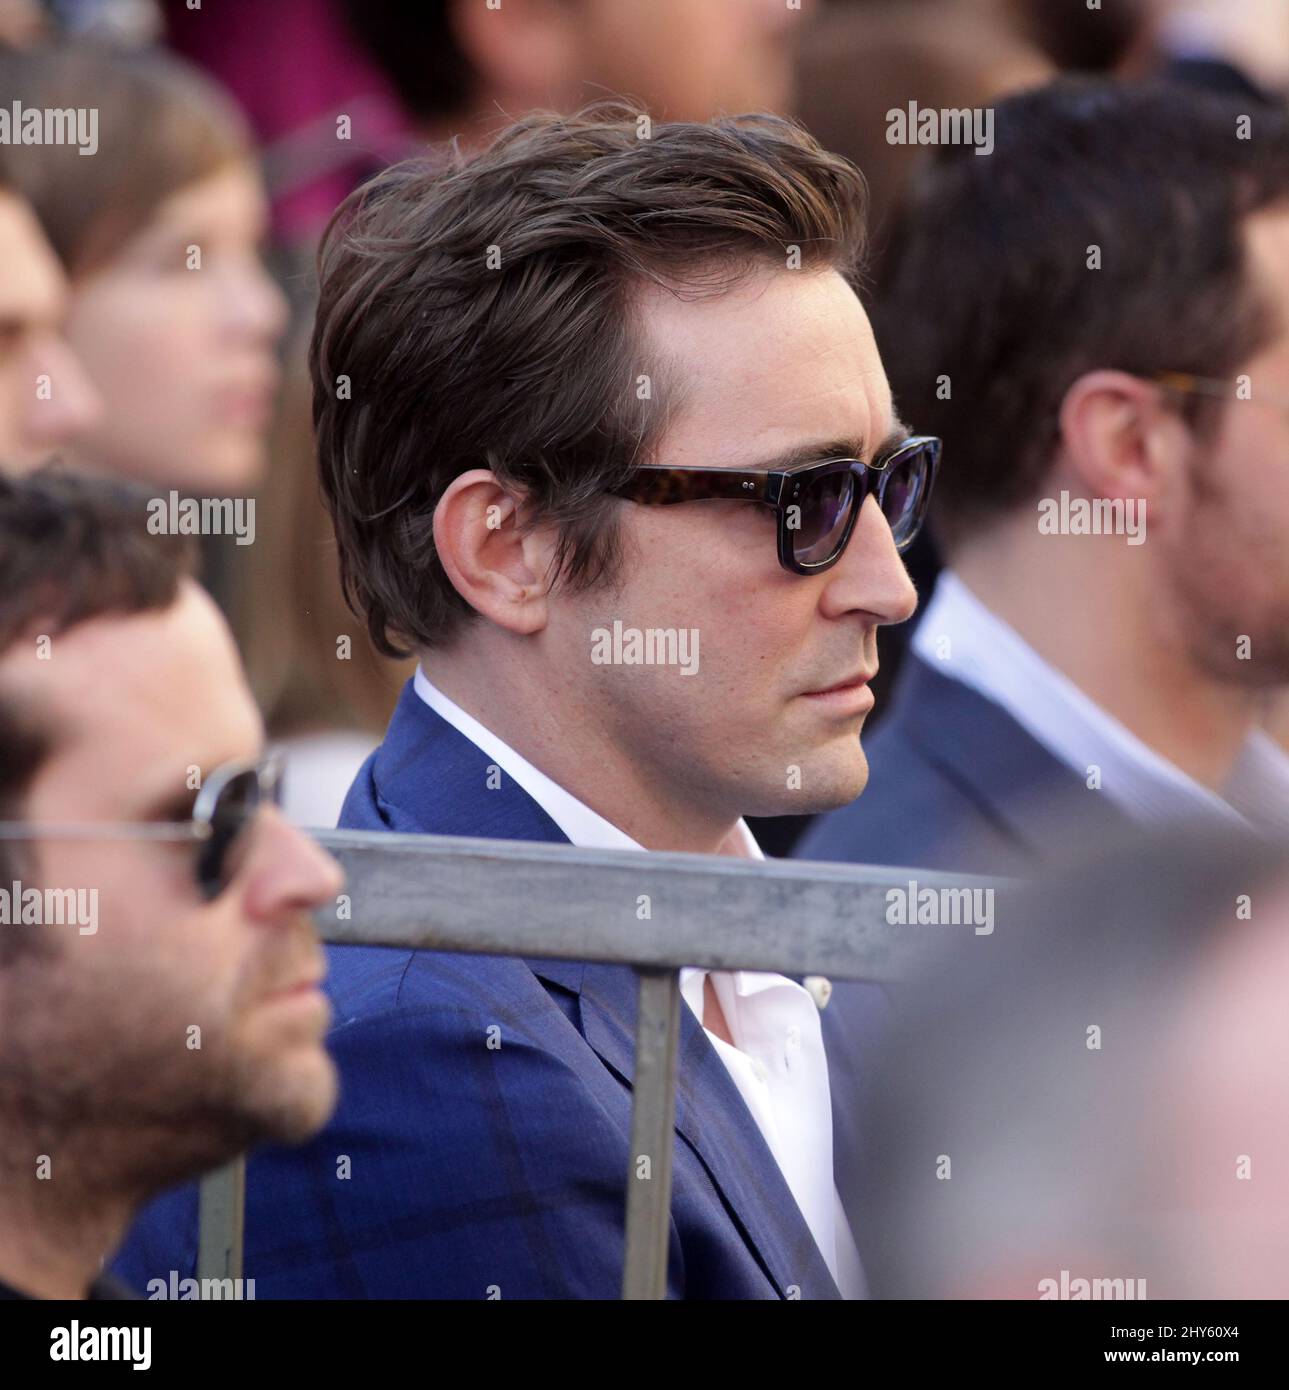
477,1171
956,783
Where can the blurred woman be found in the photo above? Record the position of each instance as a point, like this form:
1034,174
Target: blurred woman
172,312
179,327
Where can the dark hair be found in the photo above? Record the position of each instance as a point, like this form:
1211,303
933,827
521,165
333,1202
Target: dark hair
1073,35
163,125
415,45
71,549
483,316
988,282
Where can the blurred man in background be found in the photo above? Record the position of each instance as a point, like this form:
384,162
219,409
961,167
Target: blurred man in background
1096,319
1093,1102
160,1006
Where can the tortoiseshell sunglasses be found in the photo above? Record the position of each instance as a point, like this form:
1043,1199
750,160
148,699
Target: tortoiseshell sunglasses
817,503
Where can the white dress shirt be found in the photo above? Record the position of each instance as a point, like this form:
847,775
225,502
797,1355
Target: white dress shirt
991,657
777,1062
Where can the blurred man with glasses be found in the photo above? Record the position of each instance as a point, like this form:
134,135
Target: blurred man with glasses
1096,321
188,1024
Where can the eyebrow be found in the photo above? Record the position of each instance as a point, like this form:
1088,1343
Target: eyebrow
814,450
172,806
178,803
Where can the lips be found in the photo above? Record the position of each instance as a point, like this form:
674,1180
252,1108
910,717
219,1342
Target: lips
303,987
310,978
250,395
846,683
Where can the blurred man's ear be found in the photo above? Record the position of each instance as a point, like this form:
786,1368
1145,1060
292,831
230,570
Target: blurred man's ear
1118,439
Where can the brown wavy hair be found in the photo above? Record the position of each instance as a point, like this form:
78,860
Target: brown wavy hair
479,312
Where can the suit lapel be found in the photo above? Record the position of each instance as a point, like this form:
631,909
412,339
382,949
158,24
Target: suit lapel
714,1121
857,1016
1017,782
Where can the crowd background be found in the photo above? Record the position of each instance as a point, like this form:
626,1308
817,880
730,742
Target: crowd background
251,122
267,115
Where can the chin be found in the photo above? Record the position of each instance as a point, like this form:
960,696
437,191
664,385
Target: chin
830,777
835,775
292,1098
228,466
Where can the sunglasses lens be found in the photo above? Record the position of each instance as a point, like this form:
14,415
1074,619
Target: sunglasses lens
223,852
826,501
908,489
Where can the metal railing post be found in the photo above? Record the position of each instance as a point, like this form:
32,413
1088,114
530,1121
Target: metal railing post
653,1122
222,1208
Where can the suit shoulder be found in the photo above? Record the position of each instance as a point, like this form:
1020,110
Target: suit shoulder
907,793
368,982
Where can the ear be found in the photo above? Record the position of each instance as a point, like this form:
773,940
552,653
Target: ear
527,52
1118,439
499,569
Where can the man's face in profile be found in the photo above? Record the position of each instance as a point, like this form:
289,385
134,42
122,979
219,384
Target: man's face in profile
45,398
1230,556
785,360
188,1028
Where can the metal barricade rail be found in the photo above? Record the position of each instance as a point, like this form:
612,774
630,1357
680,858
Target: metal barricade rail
654,912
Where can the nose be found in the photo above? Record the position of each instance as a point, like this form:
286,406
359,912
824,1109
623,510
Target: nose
289,872
870,577
65,404
254,307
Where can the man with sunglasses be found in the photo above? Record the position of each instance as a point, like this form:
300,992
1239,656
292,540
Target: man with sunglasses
188,1023
1096,320
602,374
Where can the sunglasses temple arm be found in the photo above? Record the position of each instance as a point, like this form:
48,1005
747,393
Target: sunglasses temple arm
105,830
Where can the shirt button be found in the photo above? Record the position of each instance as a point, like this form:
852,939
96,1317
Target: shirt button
794,1037
820,989
759,1071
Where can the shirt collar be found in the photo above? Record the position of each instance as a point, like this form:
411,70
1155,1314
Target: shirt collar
584,827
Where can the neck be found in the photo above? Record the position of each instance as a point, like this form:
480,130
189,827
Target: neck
56,1230
1090,607
563,734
